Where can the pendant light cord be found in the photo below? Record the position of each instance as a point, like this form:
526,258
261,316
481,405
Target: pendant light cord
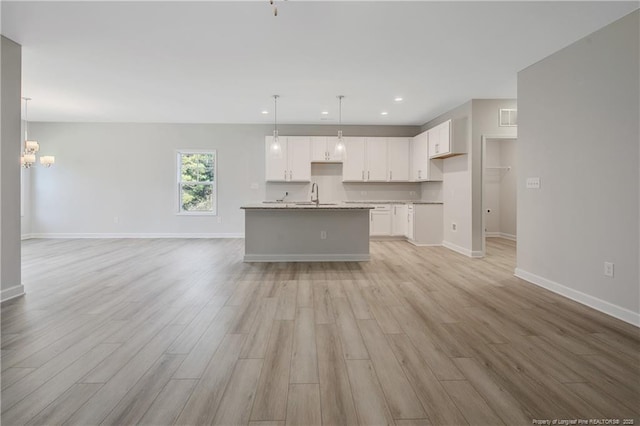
26,119
275,114
340,117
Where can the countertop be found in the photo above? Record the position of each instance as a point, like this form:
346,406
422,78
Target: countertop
306,206
393,202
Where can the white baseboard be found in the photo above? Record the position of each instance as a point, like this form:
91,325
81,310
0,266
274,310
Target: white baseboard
138,235
387,238
307,257
423,244
615,311
26,237
500,235
462,250
11,293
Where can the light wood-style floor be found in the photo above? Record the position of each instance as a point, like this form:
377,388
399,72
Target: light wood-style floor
182,332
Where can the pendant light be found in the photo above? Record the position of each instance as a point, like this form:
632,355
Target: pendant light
275,148
340,149
28,157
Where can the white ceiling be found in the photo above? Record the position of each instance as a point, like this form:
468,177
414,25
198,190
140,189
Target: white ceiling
220,62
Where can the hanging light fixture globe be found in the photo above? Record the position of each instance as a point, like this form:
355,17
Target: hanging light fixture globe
340,149
275,148
31,147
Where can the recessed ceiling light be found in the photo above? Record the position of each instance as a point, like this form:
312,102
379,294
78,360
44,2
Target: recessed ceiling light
264,111
325,113
398,99
384,113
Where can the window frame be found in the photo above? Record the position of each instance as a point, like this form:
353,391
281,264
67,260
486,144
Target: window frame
179,182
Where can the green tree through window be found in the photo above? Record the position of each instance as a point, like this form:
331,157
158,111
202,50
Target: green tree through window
197,181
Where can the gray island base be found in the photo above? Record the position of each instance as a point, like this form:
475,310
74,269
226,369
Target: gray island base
306,233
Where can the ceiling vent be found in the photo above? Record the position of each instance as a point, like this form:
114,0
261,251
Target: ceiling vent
508,117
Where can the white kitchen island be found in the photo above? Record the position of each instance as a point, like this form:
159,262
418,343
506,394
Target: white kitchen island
294,232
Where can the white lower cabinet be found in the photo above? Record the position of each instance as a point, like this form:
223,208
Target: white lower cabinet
410,219
380,220
420,223
399,219
427,228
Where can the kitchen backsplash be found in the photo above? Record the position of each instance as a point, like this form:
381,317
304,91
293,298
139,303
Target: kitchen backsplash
329,179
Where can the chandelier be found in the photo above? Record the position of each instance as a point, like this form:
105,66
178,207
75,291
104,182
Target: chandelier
28,157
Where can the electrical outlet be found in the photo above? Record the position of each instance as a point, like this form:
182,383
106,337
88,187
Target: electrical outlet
219,219
608,269
323,235
533,183
254,185
412,192
116,219
363,192
454,227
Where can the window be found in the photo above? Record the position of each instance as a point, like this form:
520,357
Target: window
197,182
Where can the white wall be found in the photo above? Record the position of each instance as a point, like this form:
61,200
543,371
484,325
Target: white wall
456,185
10,86
462,185
578,132
119,179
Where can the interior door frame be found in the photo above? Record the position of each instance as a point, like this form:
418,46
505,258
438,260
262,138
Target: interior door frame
483,162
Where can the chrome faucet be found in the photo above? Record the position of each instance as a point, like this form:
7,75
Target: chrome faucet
281,200
316,190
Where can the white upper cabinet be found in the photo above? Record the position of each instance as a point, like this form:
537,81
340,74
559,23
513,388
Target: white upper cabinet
276,168
443,142
398,159
376,153
353,169
292,163
299,153
422,168
318,148
365,159
376,160
323,150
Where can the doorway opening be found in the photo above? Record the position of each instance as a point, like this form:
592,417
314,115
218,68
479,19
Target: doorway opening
499,193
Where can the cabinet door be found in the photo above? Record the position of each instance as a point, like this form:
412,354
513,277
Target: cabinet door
334,155
276,161
440,140
434,142
353,169
299,158
444,131
419,158
380,223
410,224
319,149
376,159
398,153
399,219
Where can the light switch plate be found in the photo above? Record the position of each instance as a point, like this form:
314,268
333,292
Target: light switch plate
533,183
